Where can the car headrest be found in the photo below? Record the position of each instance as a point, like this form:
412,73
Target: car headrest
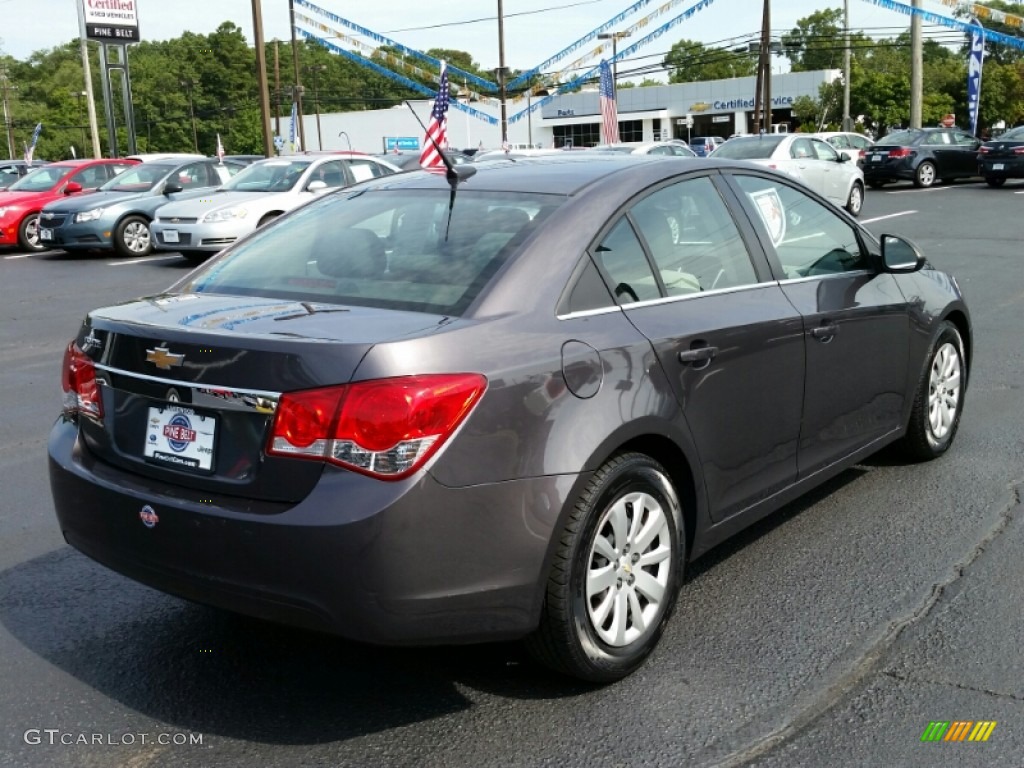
352,253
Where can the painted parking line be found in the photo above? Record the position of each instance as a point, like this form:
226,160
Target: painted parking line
916,190
887,216
143,260
17,256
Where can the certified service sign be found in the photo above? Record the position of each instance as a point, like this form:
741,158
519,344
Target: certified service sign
111,21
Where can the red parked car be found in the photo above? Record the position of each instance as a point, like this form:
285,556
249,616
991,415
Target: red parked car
21,202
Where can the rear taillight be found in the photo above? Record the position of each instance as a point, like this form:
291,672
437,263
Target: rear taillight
78,379
983,150
899,152
386,428
1018,150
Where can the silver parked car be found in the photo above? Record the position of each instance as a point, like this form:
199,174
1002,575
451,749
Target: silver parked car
510,403
262,191
814,161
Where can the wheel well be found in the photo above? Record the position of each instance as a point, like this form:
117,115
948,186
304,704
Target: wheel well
668,454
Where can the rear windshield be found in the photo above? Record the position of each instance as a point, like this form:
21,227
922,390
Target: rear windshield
381,248
901,138
138,178
1014,134
752,148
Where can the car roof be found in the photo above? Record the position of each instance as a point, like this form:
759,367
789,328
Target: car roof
563,173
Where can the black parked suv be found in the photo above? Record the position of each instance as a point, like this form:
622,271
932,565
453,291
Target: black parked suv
922,155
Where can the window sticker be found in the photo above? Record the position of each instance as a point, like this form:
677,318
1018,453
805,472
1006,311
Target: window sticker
769,205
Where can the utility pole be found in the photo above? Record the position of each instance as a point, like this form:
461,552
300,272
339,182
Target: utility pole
763,84
297,91
502,71
916,65
5,84
90,99
261,76
277,87
847,119
313,69
614,37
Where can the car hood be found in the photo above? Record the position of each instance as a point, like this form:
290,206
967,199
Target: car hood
96,200
27,198
216,199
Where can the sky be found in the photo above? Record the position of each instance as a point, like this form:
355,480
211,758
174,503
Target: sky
530,36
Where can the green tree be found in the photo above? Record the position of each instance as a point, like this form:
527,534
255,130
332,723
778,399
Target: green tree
690,61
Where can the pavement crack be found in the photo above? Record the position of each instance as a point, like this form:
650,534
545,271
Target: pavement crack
951,684
850,670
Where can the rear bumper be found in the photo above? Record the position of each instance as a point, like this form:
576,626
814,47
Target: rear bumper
388,563
1001,167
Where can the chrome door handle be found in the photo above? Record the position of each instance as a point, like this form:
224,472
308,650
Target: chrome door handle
825,332
698,355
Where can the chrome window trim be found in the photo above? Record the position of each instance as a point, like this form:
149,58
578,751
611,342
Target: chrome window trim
590,312
793,280
697,295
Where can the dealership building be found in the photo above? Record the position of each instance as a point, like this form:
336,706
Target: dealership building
653,113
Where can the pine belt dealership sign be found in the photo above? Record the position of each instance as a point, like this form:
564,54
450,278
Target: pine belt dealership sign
111,21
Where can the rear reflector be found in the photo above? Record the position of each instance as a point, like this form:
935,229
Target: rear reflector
78,380
385,428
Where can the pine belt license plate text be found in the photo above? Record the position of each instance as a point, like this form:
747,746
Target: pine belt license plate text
170,235
180,437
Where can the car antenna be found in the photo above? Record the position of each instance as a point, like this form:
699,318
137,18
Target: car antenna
453,176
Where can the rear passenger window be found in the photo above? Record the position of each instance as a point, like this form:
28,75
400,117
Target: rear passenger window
693,239
621,257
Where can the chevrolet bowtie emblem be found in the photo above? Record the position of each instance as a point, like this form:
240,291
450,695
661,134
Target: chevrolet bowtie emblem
163,358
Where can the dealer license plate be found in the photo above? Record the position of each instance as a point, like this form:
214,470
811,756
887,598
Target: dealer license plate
180,437
45,234
877,158
997,166
170,235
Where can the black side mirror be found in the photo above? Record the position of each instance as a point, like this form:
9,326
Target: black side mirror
900,255
171,187
843,158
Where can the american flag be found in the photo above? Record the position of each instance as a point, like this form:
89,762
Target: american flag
609,110
437,128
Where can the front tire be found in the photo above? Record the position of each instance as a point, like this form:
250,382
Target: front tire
616,573
855,202
28,234
925,175
939,400
132,237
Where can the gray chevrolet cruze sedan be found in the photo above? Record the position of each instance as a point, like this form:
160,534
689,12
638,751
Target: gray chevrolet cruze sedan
512,403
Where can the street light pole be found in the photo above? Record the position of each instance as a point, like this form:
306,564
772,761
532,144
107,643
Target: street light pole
261,77
614,37
297,92
188,84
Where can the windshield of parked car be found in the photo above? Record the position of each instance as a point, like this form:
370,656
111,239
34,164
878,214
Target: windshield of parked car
901,138
138,178
749,148
39,180
381,248
268,176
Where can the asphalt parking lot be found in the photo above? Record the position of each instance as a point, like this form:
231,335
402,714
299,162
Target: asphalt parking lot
831,634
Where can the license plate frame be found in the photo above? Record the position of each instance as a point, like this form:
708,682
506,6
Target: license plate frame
998,166
180,437
171,236
45,234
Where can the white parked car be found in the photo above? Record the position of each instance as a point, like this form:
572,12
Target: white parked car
672,148
853,145
201,227
813,161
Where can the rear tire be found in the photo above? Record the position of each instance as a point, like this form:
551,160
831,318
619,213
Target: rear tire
876,184
939,400
28,234
925,174
616,573
995,181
